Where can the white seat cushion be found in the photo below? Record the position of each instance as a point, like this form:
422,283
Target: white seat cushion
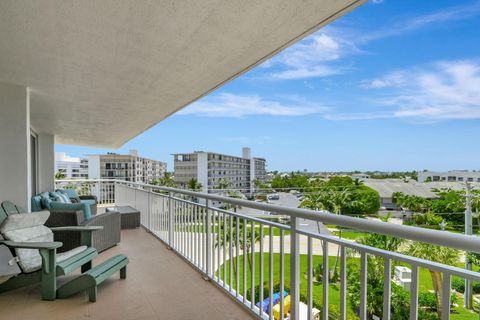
35,263
29,227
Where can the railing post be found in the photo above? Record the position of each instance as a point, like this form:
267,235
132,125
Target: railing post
208,243
170,220
149,210
294,269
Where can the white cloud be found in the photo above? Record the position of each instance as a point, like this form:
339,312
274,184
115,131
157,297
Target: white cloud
443,91
396,78
311,57
321,54
303,73
230,105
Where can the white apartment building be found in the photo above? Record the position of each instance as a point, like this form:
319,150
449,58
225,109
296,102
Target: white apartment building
209,168
454,175
71,167
128,167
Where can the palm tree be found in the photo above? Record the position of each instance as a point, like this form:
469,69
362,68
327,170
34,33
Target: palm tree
437,254
166,181
223,184
244,246
233,194
333,201
60,175
194,185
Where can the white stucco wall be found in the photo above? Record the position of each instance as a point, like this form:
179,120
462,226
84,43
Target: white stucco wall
46,162
94,166
15,144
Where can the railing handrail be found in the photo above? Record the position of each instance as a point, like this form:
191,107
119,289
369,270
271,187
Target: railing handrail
435,237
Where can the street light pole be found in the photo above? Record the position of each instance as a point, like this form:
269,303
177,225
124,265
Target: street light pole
468,298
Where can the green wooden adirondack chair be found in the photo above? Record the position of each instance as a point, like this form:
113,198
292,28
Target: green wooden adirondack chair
38,260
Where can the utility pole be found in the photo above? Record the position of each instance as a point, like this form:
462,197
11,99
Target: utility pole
468,298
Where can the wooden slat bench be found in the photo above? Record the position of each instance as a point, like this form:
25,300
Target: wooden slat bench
93,277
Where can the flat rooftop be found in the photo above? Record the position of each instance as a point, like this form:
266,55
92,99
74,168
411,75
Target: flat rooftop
159,285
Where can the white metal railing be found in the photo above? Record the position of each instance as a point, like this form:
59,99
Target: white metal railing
226,246
104,189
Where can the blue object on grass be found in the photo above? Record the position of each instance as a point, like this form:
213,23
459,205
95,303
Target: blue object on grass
266,302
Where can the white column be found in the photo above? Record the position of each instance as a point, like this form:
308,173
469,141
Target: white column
46,162
202,170
15,182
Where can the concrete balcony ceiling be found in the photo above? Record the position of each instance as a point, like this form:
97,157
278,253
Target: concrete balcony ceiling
102,72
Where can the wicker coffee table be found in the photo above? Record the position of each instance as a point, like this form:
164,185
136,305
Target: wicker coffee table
129,216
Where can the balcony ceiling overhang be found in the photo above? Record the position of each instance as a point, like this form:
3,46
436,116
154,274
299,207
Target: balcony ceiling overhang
102,72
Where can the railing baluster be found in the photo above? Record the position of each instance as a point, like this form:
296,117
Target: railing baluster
170,220
261,270
282,276
245,260
224,248
387,287
237,248
414,294
309,279
230,254
446,284
207,252
325,279
343,283
191,234
197,224
219,225
182,229
294,269
363,285
215,244
270,271
194,234
252,276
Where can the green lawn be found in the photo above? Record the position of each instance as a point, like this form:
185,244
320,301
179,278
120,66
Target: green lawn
334,295
351,235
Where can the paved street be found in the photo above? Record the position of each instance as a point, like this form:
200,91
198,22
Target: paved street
290,200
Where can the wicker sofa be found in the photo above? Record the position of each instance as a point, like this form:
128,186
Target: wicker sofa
73,214
102,240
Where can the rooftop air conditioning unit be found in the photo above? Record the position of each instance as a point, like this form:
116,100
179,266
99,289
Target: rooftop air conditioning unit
403,277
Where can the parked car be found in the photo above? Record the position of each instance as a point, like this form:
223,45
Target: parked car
274,196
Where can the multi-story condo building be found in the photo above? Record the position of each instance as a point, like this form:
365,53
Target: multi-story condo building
209,168
71,167
128,167
455,175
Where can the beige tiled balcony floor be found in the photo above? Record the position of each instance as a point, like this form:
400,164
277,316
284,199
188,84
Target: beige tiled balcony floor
159,285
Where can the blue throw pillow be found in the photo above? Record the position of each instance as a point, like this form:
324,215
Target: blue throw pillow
55,196
46,202
65,198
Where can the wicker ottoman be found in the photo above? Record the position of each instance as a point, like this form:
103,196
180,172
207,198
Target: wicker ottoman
129,216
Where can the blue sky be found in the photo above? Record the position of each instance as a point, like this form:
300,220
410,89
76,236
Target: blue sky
394,85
